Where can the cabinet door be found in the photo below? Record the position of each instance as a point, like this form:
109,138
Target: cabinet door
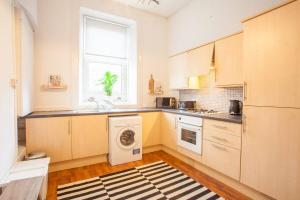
271,58
222,158
50,135
178,73
271,151
151,128
228,61
200,60
89,136
168,130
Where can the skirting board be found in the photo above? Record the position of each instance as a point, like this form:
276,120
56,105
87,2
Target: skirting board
152,149
253,194
77,163
91,160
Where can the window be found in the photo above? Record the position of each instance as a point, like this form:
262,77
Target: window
108,45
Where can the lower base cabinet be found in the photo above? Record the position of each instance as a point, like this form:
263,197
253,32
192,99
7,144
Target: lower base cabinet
151,128
222,147
271,151
222,158
51,135
89,136
67,138
168,130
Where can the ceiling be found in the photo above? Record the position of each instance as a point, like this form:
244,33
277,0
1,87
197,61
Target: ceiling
166,7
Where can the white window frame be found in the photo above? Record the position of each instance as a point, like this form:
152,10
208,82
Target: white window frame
132,71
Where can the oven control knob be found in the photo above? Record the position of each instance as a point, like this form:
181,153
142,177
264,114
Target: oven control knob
179,118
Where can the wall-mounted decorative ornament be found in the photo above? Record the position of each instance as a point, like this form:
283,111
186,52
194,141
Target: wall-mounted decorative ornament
151,85
54,82
154,87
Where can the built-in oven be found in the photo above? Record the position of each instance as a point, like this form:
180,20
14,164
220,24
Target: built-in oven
189,133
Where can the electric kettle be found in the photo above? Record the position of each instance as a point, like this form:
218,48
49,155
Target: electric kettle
236,107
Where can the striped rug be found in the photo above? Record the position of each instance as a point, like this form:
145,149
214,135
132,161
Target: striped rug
153,181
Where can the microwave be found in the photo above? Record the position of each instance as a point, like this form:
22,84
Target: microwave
166,102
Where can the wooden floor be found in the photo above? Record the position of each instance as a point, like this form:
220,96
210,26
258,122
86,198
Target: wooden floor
81,173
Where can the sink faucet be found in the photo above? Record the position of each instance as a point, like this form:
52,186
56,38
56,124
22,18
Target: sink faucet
108,103
92,99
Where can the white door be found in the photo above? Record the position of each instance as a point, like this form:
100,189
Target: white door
25,57
7,93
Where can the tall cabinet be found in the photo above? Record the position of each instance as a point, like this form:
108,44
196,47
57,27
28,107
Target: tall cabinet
272,58
271,135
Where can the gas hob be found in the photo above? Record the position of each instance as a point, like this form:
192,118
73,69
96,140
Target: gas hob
200,111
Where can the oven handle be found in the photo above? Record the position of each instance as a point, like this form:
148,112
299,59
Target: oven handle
179,122
181,125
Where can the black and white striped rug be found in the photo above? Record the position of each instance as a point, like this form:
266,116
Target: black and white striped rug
153,181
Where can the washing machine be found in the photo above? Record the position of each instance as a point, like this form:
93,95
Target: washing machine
125,139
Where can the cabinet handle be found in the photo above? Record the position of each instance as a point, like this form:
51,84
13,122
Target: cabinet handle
245,90
220,127
218,147
244,124
220,139
106,125
69,127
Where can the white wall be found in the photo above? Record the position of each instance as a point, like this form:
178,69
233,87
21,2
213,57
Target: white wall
7,93
57,43
203,21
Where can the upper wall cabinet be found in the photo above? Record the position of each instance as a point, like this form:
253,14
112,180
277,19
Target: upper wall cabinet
228,61
200,60
178,72
272,58
193,63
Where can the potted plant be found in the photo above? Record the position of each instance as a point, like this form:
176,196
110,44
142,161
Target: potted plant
108,82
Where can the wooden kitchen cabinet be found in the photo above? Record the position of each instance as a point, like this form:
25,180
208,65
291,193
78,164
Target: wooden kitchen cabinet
200,60
168,130
222,158
151,128
50,135
178,71
222,147
271,58
271,151
228,61
225,133
89,136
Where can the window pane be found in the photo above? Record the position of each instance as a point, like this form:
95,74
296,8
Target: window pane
108,44
104,38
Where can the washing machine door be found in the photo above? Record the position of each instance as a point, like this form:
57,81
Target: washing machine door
126,138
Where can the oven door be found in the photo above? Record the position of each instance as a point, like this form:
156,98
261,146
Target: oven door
190,137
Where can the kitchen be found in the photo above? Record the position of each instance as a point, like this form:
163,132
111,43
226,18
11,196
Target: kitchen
190,99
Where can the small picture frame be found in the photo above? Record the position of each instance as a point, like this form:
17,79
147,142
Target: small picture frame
54,80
